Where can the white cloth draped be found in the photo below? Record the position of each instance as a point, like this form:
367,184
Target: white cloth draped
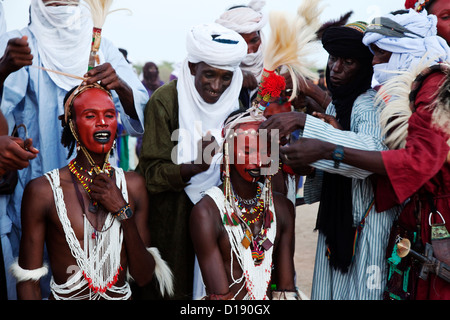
247,20
407,52
196,117
64,35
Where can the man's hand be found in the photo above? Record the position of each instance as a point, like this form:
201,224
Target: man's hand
286,123
105,191
108,78
304,152
15,153
249,81
328,119
17,55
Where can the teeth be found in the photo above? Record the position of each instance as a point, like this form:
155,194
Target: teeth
100,135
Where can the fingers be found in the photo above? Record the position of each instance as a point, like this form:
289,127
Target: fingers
17,54
105,74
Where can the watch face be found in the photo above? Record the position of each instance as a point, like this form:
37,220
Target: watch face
128,212
338,153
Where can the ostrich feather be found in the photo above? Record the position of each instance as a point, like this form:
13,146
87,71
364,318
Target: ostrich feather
394,99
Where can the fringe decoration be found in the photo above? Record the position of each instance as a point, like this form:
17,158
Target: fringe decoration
162,272
394,101
441,114
99,9
23,275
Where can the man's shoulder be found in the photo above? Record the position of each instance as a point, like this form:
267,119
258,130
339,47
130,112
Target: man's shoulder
367,96
282,205
39,188
165,96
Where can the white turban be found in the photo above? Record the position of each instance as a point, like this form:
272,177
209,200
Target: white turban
64,36
408,51
247,20
220,48
215,45
244,19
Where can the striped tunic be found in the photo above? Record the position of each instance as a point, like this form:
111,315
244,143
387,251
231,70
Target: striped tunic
367,274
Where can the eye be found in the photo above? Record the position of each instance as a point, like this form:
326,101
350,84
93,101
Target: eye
227,78
349,62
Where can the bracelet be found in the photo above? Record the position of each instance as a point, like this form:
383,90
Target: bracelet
124,213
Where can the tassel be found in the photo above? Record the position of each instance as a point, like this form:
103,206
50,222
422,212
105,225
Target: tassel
100,9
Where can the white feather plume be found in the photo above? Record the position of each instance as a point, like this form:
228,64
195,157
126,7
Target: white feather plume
293,40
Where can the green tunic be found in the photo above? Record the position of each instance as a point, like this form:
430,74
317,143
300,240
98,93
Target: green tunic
170,206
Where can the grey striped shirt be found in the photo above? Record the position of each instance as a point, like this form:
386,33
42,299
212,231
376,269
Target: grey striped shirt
367,274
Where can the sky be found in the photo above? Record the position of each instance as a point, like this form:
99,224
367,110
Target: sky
155,30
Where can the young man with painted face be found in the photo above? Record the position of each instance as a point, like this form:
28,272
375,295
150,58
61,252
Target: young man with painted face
175,158
241,229
91,216
59,38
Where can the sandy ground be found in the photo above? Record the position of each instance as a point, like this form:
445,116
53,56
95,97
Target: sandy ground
305,245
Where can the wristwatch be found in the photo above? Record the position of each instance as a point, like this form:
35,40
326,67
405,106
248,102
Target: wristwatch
338,155
124,213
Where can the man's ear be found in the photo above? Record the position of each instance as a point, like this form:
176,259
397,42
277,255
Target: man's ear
192,68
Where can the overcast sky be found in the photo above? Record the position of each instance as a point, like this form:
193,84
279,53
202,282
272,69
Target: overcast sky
156,29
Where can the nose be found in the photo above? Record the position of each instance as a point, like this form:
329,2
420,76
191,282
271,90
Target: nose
337,66
252,48
216,84
101,121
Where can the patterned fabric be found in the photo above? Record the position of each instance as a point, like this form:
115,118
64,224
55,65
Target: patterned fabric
367,274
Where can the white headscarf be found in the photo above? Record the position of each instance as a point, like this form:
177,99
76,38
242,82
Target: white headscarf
64,36
407,52
247,20
220,48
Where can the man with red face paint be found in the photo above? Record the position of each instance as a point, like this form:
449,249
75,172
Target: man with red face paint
91,216
241,229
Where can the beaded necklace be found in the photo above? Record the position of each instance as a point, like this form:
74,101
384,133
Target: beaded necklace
255,211
84,180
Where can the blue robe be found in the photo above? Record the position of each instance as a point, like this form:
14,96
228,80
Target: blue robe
30,97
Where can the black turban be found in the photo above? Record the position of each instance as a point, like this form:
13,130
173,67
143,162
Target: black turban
335,217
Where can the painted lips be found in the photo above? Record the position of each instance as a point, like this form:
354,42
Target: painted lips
102,137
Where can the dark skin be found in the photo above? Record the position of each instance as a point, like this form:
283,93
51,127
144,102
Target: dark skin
306,151
41,224
253,41
210,83
342,71
212,244
15,153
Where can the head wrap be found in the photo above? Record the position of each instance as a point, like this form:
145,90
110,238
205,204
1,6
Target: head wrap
215,45
220,48
409,46
64,35
346,41
244,19
335,219
248,19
